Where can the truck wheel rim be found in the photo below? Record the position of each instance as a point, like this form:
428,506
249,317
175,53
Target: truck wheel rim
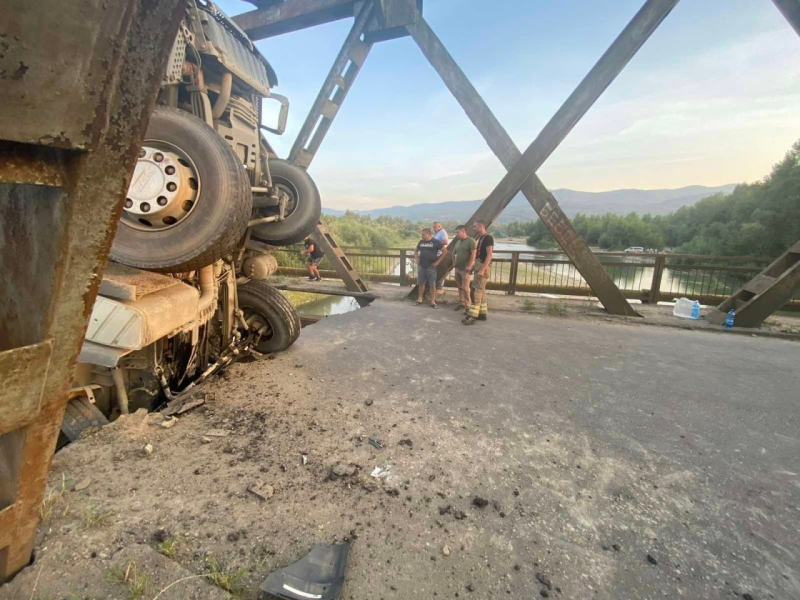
256,322
290,190
163,190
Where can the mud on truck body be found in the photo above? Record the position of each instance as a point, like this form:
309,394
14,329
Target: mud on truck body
184,292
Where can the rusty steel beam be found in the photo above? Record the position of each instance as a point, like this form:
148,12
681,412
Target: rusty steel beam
543,202
764,294
292,15
65,169
791,10
621,51
341,77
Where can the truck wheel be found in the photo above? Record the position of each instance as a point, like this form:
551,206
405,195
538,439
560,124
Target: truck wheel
189,199
268,311
303,209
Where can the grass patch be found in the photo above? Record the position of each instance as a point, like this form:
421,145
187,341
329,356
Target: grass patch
137,582
54,501
223,578
95,518
529,306
168,547
556,310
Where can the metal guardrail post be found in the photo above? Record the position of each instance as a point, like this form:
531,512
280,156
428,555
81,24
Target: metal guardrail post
403,281
512,276
655,284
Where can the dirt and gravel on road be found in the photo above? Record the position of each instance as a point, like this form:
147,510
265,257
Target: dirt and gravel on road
494,491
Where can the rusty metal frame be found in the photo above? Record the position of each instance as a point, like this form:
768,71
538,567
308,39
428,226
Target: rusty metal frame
342,75
63,176
540,198
521,175
790,9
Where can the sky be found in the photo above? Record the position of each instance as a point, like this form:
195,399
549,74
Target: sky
712,98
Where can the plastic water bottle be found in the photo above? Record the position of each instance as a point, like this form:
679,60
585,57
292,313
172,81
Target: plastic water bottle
729,319
695,310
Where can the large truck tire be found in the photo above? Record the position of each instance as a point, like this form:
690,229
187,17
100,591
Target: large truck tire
264,306
189,200
303,210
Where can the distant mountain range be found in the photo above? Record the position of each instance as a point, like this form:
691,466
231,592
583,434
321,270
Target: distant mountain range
655,202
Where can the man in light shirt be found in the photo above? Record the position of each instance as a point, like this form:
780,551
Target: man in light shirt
440,234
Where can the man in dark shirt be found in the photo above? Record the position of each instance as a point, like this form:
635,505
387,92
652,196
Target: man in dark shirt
425,256
315,256
481,269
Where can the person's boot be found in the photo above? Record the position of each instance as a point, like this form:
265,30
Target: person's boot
468,320
482,317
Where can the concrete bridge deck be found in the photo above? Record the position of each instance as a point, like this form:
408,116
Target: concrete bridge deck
618,462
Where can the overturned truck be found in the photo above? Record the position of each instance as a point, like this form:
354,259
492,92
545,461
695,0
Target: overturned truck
184,293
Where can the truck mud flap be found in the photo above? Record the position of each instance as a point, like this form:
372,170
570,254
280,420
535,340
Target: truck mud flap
319,575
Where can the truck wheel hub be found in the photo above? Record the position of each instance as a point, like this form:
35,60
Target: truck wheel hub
163,190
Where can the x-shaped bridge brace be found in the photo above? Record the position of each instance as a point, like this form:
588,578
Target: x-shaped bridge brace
378,20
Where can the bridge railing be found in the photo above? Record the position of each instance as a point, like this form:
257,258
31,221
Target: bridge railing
649,277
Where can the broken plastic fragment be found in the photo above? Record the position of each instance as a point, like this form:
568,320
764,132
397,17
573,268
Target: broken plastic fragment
380,472
318,575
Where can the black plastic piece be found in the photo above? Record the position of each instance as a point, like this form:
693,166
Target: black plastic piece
319,575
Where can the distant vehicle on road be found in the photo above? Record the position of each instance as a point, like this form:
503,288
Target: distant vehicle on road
635,249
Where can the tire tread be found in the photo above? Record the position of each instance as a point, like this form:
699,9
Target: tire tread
278,302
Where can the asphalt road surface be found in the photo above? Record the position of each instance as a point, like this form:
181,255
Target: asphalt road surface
654,462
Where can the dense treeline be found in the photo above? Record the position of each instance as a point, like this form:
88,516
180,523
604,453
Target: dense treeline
758,219
353,229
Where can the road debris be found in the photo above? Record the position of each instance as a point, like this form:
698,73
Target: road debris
304,459
406,442
651,560
147,449
380,472
374,441
340,470
183,404
544,580
446,550
319,574
263,491
82,485
480,502
369,402
169,422
217,433
459,514
205,439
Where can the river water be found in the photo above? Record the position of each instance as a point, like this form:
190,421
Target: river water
638,278
326,305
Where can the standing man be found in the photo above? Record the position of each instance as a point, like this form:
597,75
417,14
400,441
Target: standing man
483,262
315,256
463,255
427,255
440,234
